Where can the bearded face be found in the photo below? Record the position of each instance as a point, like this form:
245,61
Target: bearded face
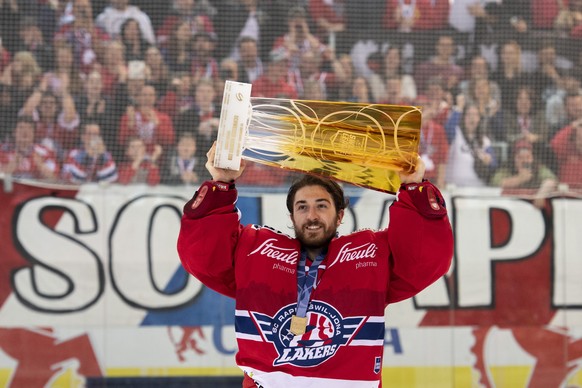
314,217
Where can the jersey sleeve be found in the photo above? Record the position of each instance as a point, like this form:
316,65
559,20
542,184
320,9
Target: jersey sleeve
420,239
209,234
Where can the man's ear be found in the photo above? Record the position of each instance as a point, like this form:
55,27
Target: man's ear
340,216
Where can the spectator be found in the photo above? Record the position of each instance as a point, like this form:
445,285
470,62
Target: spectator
394,96
526,172
145,122
93,106
311,67
471,160
379,67
159,74
371,68
31,40
417,15
127,93
203,63
437,100
330,20
491,113
250,65
21,75
360,91
510,73
573,108
273,84
392,67
567,146
298,37
441,65
133,40
114,70
24,158
497,21
177,52
141,167
344,87
555,109
88,41
526,121
57,120
179,98
548,75
242,18
202,119
479,69
312,90
183,166
91,162
568,22
65,73
186,13
114,15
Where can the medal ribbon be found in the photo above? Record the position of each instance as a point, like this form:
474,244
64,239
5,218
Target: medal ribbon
306,282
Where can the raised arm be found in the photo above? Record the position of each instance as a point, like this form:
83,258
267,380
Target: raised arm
420,237
210,229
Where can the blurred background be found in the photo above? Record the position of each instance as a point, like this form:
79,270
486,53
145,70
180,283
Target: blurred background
107,110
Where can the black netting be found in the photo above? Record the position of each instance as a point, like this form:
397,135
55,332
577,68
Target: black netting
119,92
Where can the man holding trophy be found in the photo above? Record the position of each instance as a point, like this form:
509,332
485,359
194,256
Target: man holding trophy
310,309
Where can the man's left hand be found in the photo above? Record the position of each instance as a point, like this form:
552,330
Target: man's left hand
416,176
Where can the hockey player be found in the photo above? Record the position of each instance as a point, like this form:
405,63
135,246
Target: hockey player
310,309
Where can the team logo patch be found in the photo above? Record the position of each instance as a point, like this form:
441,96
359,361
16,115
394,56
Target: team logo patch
326,331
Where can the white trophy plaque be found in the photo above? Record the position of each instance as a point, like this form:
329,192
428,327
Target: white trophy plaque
232,128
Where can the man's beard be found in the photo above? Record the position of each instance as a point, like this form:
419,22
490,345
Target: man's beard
315,239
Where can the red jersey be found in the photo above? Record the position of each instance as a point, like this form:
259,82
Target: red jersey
360,275
427,14
152,133
265,87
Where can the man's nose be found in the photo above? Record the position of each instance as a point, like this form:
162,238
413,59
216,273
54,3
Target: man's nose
312,215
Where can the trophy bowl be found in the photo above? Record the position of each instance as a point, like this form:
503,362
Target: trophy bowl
362,144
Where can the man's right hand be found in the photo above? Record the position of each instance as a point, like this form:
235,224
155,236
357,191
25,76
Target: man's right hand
221,174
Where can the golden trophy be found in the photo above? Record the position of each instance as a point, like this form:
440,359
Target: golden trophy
362,144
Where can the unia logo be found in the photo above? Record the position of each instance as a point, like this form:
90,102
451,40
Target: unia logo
326,331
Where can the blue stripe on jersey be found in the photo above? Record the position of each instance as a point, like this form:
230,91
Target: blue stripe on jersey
371,331
245,325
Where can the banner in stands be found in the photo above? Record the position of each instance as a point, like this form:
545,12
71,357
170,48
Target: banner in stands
91,285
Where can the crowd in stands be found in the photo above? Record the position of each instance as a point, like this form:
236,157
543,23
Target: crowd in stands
110,91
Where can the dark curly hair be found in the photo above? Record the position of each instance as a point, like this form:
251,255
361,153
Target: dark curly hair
334,189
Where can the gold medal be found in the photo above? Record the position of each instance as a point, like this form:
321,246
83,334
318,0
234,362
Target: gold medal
298,325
